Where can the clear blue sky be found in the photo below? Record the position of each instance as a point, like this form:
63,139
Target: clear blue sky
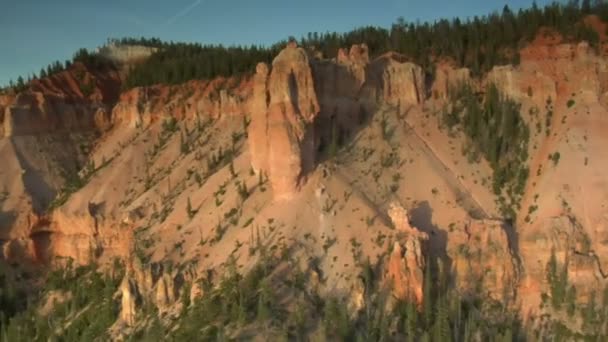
36,32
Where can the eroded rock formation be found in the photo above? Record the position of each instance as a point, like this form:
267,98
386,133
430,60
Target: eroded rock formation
287,134
481,258
393,80
406,263
447,78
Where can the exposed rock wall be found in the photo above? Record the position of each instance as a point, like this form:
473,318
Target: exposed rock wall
152,284
288,93
141,106
59,103
481,257
37,113
406,263
393,80
448,77
338,85
258,127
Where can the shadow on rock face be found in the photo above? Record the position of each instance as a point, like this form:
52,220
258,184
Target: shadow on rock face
343,109
7,218
293,92
421,218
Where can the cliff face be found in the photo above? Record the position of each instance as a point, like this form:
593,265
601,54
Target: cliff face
77,99
139,107
393,80
282,136
562,89
244,153
482,258
406,265
447,78
338,84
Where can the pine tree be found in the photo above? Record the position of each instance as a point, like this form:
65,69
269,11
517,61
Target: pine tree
20,83
231,169
411,322
427,295
441,328
183,143
265,302
589,312
189,209
571,301
553,278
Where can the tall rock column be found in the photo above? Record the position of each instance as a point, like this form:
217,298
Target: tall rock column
258,127
406,263
283,108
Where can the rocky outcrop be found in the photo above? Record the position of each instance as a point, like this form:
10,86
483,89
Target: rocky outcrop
83,237
447,78
406,263
393,80
518,85
196,291
164,293
37,113
258,127
139,107
338,85
482,258
341,78
567,239
129,301
284,131
154,284
75,100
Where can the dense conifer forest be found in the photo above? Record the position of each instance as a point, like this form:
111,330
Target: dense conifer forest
478,43
242,305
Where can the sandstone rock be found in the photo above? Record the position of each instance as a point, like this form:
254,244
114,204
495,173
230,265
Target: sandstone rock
128,301
481,254
405,270
573,249
165,292
196,291
258,127
291,85
39,113
139,107
406,263
447,77
357,297
520,85
338,85
288,140
74,233
394,81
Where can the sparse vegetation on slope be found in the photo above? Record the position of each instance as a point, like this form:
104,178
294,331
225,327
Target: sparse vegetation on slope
497,131
87,311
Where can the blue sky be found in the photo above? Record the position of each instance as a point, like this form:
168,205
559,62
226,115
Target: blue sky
36,32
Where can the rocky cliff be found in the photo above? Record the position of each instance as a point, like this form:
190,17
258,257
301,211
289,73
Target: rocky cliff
288,104
190,173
